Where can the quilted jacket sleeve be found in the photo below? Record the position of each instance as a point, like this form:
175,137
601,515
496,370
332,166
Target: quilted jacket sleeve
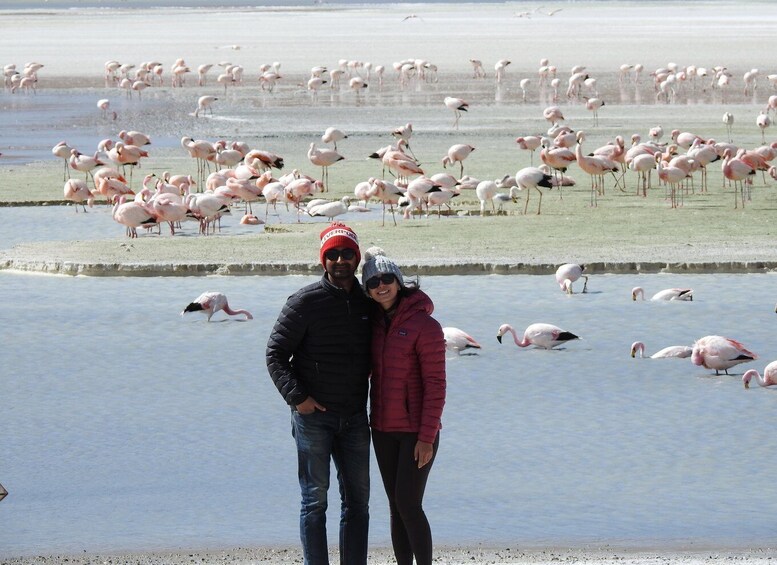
285,338
431,356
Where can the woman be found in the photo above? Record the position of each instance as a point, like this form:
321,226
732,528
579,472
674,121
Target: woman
407,395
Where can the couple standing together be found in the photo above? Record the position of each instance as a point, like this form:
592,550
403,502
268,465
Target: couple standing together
334,341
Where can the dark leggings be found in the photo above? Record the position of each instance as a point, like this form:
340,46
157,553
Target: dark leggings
405,484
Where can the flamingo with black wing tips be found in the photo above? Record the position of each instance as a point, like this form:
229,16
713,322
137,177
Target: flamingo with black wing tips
458,340
720,353
543,336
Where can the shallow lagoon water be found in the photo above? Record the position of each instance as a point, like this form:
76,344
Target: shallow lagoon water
127,426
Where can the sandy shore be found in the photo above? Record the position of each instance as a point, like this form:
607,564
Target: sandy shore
475,555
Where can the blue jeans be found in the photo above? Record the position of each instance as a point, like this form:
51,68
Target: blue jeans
322,436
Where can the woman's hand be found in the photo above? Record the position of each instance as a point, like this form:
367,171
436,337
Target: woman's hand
423,453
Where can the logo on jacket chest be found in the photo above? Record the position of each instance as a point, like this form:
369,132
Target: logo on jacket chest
402,332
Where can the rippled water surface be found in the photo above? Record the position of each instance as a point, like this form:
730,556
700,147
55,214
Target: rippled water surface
126,426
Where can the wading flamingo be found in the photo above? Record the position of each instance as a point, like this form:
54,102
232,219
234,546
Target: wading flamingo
458,340
568,273
678,351
666,294
769,377
720,353
212,302
543,336
457,105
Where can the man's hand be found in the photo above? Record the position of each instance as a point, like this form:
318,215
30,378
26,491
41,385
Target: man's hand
308,406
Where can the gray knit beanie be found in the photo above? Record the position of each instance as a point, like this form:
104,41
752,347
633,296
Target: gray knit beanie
376,263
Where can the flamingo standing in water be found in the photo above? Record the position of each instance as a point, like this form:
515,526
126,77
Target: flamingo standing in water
720,353
678,351
769,377
568,273
543,336
457,105
458,340
212,302
666,294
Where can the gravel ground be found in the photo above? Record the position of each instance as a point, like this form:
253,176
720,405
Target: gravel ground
476,555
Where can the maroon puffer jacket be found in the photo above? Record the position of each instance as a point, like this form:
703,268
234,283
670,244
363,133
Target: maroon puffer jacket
407,392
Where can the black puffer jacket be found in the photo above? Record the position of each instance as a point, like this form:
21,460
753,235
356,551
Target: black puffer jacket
320,347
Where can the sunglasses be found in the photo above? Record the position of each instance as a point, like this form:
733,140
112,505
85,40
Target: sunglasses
386,279
335,254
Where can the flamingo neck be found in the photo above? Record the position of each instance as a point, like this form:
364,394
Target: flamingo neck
231,312
520,343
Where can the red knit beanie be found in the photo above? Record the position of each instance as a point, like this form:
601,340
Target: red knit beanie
339,235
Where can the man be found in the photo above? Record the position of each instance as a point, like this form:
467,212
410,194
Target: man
318,356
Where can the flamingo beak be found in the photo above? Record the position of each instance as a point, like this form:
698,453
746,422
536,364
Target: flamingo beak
747,384
499,338
633,353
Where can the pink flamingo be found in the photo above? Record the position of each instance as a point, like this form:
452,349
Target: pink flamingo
671,175
134,138
212,302
683,294
558,159
553,114
720,353
133,215
457,105
543,336
456,154
169,208
769,377
63,151
677,351
568,273
736,170
83,163
529,143
76,191
596,167
593,105
532,177
458,340
643,165
111,188
324,158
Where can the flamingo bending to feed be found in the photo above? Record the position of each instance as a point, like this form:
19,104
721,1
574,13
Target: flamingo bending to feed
458,340
679,351
720,353
212,302
769,377
457,153
544,336
666,294
568,273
